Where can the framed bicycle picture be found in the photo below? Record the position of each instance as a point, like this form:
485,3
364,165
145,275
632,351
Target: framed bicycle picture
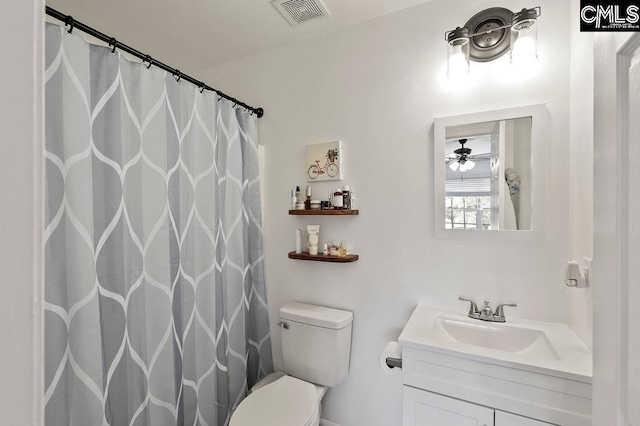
324,161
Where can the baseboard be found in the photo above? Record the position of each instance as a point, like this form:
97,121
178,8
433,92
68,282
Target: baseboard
327,423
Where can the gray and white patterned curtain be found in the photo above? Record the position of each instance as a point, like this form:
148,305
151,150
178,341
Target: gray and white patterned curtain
155,293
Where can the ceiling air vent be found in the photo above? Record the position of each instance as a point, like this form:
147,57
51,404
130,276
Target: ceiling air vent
298,12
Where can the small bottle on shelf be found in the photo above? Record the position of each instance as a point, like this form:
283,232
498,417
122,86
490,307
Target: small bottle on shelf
298,241
307,203
346,197
338,199
343,249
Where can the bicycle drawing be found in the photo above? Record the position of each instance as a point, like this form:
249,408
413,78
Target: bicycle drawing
329,167
324,161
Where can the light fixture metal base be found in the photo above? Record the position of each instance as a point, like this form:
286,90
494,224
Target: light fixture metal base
494,40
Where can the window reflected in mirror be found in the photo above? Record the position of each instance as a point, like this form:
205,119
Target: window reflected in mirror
488,178
468,212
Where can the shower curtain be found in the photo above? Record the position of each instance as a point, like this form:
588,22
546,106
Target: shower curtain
154,283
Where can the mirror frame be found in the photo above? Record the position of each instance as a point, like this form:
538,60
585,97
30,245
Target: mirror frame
539,136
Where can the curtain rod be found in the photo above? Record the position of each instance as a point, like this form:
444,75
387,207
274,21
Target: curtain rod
115,44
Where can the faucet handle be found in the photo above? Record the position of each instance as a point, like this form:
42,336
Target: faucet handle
486,314
473,308
499,314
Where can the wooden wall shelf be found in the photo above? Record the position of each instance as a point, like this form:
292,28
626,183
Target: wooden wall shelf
323,257
324,212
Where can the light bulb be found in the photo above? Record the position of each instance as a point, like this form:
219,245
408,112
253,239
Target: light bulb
454,165
524,38
464,167
458,54
524,51
470,164
458,64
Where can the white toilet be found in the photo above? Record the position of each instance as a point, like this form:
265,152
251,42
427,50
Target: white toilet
316,346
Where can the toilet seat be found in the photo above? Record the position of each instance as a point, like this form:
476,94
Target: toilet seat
285,402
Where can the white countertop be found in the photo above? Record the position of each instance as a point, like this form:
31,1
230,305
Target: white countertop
574,360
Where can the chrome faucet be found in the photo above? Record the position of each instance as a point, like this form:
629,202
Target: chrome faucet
486,314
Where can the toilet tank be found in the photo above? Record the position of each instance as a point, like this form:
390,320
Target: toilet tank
316,342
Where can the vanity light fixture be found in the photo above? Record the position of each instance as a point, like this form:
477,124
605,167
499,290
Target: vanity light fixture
489,34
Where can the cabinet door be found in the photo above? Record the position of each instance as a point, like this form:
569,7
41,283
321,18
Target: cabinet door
506,419
422,408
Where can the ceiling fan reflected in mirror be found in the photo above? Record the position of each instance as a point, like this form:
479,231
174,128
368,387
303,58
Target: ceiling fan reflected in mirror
461,158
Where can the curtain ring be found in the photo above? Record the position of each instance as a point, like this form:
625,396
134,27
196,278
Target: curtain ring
178,75
70,22
149,60
113,42
202,87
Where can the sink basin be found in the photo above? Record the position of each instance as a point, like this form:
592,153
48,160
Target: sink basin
497,336
542,347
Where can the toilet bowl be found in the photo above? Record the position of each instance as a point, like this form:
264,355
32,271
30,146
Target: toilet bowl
281,401
316,347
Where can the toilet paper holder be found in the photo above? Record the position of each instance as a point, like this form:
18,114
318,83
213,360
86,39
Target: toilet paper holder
394,362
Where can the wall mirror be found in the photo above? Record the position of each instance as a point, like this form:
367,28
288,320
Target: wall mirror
490,174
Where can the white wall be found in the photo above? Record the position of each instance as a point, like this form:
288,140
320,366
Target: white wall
377,87
21,357
581,165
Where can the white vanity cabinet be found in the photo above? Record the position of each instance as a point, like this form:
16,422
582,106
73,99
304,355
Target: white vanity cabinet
475,390
458,371
422,408
507,419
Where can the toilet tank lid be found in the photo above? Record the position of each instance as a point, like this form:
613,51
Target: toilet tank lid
319,316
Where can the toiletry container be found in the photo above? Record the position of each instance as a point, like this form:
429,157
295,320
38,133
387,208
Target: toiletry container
346,197
337,199
307,203
298,241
